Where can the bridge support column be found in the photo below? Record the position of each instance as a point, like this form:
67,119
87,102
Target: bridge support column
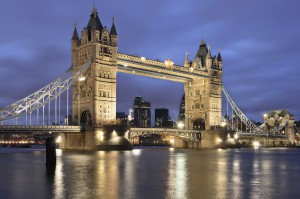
97,138
50,154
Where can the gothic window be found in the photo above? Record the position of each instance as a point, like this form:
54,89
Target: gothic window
100,95
202,105
104,93
104,75
108,75
107,93
197,105
105,50
197,91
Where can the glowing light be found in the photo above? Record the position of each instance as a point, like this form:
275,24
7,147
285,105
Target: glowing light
219,140
223,124
256,144
100,136
169,63
125,65
236,136
143,59
82,78
172,141
180,125
58,140
114,134
171,149
126,134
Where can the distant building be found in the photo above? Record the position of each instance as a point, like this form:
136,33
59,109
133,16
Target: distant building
162,118
142,113
181,116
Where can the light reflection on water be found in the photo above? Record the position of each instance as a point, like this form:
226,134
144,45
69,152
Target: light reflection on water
154,172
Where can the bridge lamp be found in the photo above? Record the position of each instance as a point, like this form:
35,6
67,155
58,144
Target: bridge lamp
219,140
223,124
236,136
81,79
169,63
180,125
256,144
265,115
143,59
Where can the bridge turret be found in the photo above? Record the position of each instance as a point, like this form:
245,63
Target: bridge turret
94,23
113,32
114,40
203,99
186,61
95,102
75,43
219,58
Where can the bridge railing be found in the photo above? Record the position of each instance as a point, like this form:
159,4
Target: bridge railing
38,128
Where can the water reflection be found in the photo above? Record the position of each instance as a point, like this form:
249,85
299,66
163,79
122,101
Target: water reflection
173,173
177,181
59,180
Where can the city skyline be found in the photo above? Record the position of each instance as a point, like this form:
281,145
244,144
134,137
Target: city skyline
259,49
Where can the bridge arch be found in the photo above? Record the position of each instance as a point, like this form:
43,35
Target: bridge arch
199,124
86,118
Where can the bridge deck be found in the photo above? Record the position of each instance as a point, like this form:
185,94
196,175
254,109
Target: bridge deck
157,69
37,128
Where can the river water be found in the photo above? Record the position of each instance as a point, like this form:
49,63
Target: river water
152,172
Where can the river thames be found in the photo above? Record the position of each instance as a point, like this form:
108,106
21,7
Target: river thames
152,172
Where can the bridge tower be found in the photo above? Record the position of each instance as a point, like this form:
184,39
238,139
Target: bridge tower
94,94
203,96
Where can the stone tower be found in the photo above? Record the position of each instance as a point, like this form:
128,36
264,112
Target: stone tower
203,96
94,94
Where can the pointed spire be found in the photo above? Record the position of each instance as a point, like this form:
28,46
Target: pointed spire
94,11
186,61
113,30
75,34
94,22
219,56
202,42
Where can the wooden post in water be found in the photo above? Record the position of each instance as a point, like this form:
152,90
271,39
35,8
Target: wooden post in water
50,153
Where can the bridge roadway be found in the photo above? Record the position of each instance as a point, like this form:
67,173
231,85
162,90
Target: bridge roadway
157,69
37,128
189,135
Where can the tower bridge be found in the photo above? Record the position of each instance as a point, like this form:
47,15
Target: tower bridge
92,78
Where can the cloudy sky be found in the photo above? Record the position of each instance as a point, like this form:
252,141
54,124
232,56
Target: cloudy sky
259,42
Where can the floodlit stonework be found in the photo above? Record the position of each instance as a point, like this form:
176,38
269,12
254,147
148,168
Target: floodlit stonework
94,94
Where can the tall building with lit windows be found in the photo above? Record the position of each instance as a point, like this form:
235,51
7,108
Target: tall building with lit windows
142,113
